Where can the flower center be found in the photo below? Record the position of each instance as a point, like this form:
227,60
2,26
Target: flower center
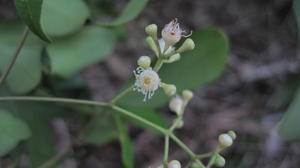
147,80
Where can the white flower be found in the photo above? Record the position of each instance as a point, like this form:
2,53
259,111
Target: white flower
146,81
225,140
172,33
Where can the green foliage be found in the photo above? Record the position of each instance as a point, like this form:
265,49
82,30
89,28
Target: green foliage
26,73
12,130
30,12
126,143
68,55
100,130
149,115
60,17
296,6
289,125
131,11
196,68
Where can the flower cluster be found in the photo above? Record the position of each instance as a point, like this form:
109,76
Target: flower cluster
147,79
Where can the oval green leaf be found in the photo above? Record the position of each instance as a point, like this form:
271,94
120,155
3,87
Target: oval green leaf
26,73
12,130
61,17
69,55
30,12
196,68
131,11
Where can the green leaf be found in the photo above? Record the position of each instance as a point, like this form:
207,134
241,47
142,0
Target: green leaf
126,143
70,54
26,73
37,115
196,68
100,130
12,130
289,125
149,115
131,11
30,12
296,6
60,17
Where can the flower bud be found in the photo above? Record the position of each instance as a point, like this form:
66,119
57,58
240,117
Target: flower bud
175,105
187,45
232,134
173,58
174,164
151,30
160,166
187,95
225,140
152,45
144,61
169,89
180,124
220,161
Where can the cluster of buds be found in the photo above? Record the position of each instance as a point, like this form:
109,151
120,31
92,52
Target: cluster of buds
147,79
178,103
164,47
225,140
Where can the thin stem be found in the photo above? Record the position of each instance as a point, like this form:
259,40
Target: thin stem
51,99
14,56
176,122
186,149
204,155
158,64
122,94
127,113
56,158
166,150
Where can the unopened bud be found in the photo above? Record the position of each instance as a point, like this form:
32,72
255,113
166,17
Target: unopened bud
232,134
174,164
144,61
173,58
187,45
225,140
152,45
220,161
169,89
187,95
180,124
175,105
151,30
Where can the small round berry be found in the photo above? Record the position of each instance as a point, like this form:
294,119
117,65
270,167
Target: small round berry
187,45
220,161
144,61
174,164
187,95
225,140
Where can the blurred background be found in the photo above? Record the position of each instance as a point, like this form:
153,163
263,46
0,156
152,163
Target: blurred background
251,96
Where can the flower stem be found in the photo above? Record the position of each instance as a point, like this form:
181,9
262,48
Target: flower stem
166,150
122,94
14,56
51,99
186,149
130,114
158,64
